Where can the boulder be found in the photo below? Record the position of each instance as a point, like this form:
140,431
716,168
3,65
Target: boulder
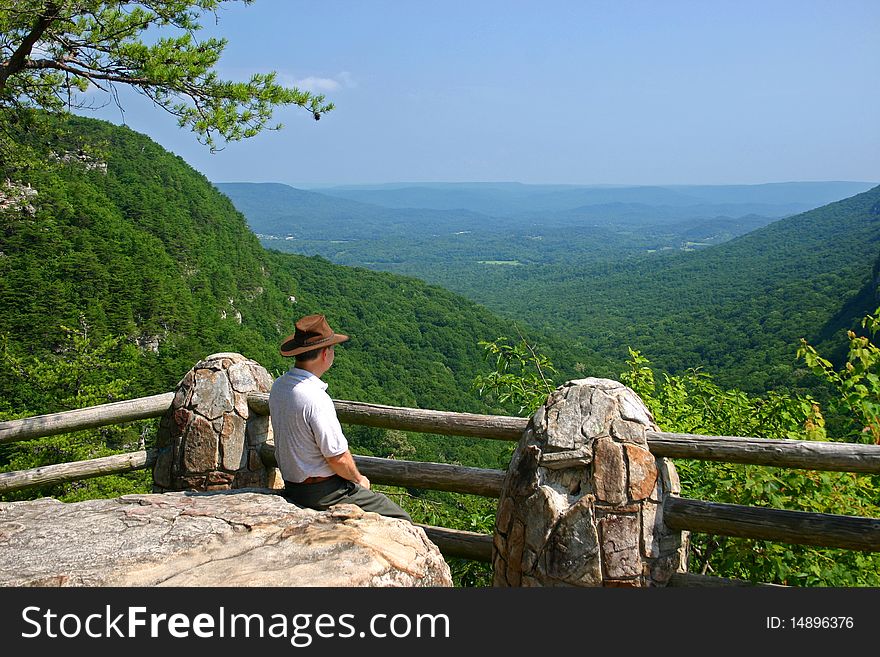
244,537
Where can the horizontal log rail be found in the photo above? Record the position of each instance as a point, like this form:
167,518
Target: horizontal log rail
447,423
391,472
420,474
798,454
801,527
434,476
460,543
47,475
90,417
686,579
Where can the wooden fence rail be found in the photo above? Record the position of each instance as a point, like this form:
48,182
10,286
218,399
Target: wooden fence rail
460,543
819,529
420,474
495,427
76,470
90,417
679,513
798,454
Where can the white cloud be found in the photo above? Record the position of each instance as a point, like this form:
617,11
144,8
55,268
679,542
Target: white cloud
319,85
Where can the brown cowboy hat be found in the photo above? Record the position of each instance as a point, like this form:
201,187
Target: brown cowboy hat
312,332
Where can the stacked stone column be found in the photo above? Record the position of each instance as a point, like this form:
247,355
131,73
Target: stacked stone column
210,439
582,501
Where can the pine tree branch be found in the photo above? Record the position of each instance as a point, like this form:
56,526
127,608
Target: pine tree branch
18,61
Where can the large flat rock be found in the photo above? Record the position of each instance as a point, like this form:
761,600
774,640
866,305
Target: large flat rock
250,537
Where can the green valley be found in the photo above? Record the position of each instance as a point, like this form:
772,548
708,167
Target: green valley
676,280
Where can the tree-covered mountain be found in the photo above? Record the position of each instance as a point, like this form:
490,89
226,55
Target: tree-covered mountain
737,309
121,267
131,241
458,248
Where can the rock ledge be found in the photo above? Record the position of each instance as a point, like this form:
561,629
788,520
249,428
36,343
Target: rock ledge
244,537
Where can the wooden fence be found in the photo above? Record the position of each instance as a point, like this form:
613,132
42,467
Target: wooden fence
679,513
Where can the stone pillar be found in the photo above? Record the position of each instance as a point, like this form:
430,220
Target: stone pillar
581,504
209,439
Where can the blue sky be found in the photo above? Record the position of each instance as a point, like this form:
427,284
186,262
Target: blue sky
616,92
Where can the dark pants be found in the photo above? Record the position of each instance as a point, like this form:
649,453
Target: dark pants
336,490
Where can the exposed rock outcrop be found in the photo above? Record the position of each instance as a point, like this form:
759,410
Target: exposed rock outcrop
16,198
245,537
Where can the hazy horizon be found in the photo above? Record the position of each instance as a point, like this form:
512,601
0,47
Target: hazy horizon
416,183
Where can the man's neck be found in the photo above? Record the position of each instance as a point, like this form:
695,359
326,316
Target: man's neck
312,368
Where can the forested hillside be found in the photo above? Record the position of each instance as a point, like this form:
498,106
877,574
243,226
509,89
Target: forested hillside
737,309
120,277
149,249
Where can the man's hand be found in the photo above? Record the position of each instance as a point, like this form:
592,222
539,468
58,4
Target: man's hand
363,482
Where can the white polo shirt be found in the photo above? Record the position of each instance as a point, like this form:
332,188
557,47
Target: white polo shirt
304,425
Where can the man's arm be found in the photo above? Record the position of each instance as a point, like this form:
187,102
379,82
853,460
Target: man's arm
345,467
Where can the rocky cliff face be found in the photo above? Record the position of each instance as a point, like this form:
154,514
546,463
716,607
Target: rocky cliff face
247,537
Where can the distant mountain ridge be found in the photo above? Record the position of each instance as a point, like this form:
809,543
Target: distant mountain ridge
369,213
277,209
510,199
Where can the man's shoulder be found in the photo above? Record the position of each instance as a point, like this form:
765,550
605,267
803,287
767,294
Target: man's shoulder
300,388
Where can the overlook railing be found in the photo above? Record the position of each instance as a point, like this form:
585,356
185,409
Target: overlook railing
680,514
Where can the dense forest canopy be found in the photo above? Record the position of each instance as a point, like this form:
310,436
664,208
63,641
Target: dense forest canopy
142,245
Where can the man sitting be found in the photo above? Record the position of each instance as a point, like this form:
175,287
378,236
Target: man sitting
310,448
